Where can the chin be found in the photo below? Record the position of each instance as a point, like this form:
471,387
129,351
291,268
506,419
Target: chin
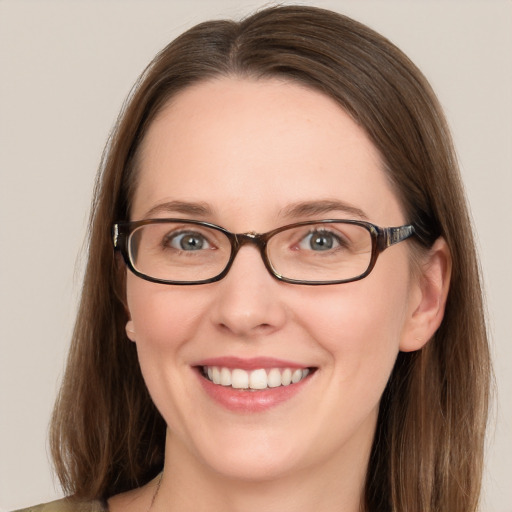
254,467
247,453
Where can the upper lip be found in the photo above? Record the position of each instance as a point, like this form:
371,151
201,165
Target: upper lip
253,363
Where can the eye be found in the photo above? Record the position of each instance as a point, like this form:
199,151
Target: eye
320,240
187,241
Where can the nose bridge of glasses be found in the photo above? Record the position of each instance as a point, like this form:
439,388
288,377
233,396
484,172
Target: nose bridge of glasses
238,240
250,238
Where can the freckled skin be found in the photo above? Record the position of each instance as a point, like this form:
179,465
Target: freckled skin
249,149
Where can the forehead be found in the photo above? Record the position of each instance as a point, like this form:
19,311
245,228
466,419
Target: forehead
252,147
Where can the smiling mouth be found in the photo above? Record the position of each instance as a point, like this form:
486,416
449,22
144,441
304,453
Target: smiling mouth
255,380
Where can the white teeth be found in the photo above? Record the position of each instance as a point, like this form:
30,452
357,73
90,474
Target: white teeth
274,378
257,379
286,377
296,376
225,377
239,379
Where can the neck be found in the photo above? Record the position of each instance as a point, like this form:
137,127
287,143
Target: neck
188,485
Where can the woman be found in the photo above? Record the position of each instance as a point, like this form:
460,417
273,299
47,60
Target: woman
340,363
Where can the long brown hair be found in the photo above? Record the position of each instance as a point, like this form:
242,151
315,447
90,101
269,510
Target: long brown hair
107,436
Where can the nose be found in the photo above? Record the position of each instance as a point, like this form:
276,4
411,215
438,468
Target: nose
249,300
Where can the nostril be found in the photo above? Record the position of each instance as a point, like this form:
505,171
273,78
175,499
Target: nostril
262,328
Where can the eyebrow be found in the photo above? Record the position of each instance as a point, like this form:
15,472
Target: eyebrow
300,209
184,207
321,207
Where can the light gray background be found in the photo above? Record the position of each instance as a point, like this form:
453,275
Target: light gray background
67,65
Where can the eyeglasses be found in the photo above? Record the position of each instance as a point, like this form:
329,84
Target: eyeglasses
317,252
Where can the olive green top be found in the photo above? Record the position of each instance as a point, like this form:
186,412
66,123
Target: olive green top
68,505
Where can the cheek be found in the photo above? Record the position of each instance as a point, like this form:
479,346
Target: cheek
161,316
164,320
359,326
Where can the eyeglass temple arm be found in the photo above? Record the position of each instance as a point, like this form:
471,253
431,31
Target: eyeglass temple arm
391,236
118,237
115,235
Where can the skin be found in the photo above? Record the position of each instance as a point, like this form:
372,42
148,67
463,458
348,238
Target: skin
248,150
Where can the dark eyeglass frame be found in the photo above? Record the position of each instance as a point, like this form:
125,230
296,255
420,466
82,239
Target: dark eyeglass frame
382,238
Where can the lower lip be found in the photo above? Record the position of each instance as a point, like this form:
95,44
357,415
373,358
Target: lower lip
251,401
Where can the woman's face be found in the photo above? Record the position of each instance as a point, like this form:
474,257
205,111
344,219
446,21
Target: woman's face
253,156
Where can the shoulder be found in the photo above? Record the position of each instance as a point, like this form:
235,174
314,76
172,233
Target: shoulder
67,505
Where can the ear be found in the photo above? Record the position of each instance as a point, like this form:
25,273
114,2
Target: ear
130,330
120,291
428,298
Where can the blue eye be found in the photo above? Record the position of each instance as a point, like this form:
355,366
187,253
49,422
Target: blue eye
319,240
188,241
